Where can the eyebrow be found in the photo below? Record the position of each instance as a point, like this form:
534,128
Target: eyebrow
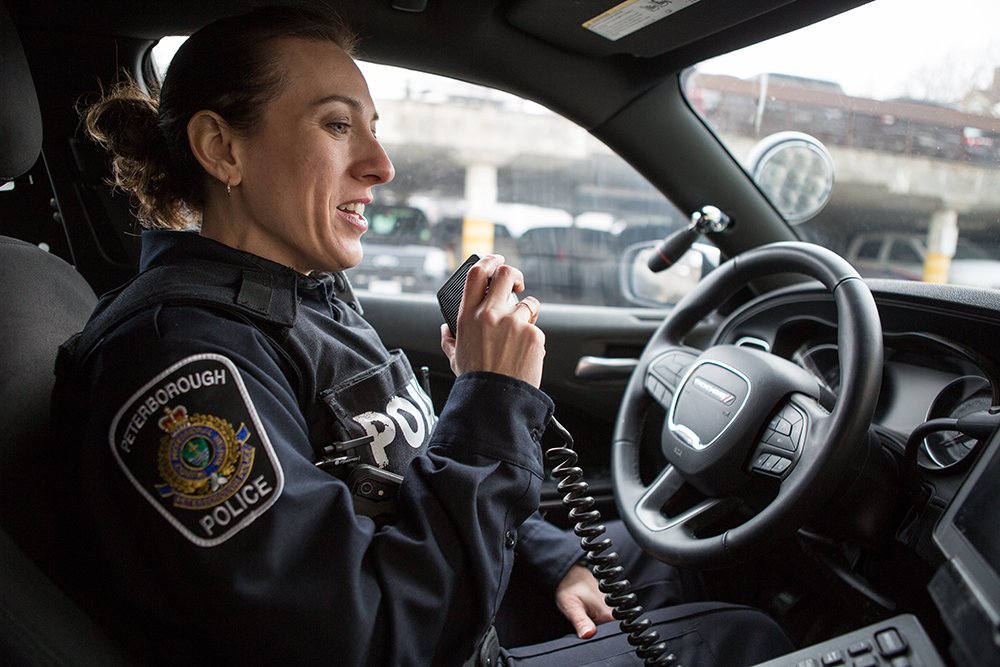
349,101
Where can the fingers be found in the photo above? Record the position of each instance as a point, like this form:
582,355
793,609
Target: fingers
489,287
490,282
576,611
496,333
579,598
447,341
600,612
505,280
479,278
528,307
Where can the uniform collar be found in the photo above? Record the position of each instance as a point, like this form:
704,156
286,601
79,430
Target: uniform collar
184,248
161,246
264,289
164,246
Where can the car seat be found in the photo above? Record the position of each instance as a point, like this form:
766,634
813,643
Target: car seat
43,300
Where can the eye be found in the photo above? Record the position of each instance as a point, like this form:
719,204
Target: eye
339,127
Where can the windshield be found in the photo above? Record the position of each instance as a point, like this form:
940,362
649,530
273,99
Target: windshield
905,97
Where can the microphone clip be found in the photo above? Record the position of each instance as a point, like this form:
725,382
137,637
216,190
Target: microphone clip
710,219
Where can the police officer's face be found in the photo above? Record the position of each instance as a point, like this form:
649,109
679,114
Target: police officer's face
310,166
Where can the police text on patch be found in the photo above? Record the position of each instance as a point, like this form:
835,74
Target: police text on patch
242,500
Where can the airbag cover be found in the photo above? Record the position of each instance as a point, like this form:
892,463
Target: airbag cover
708,400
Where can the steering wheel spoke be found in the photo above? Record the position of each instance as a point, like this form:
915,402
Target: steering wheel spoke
664,487
684,523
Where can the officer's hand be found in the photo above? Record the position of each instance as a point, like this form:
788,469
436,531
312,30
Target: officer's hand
582,602
495,334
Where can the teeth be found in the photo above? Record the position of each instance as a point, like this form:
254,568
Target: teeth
354,208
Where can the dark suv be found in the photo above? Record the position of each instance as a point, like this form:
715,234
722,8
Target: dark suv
398,255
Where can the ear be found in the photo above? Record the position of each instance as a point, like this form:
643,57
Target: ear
211,140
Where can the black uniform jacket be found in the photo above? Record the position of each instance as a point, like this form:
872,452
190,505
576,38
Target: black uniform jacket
206,514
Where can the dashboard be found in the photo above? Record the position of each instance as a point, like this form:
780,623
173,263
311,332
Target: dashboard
940,362
940,357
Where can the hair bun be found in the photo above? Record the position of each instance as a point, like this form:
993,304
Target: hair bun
125,122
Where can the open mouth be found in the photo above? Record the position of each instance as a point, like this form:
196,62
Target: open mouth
356,208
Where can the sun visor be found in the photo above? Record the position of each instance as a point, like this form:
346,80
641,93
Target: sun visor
644,28
20,118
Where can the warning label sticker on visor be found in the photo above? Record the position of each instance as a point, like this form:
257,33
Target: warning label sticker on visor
632,15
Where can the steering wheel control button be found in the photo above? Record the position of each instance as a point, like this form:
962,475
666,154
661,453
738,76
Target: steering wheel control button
780,465
784,431
655,388
668,370
678,361
771,463
782,442
665,374
791,414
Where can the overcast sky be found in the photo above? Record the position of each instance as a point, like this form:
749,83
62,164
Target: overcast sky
896,48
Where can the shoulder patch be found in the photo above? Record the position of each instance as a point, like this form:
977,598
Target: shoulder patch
193,445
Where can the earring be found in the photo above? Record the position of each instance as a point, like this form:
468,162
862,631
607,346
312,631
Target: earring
229,189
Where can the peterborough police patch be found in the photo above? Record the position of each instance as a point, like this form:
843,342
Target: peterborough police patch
191,442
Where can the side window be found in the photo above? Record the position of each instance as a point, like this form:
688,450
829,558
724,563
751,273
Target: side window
480,170
484,171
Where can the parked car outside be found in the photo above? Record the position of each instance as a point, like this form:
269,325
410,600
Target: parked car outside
398,254
903,256
571,264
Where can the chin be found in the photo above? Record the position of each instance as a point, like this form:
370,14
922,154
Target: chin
340,260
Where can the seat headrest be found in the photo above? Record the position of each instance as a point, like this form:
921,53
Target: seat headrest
20,117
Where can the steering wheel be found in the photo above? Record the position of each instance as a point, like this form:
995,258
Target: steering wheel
743,427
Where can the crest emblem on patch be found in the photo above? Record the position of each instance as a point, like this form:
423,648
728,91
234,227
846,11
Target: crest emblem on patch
203,460
192,444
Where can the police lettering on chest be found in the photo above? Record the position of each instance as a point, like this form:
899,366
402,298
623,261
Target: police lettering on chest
406,421
383,413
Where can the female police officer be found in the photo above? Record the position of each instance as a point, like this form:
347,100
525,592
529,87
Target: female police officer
221,376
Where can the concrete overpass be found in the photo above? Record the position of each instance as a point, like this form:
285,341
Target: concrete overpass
891,190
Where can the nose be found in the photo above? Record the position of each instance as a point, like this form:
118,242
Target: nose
376,167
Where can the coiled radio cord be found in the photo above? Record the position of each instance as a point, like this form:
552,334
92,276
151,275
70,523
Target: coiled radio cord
586,519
